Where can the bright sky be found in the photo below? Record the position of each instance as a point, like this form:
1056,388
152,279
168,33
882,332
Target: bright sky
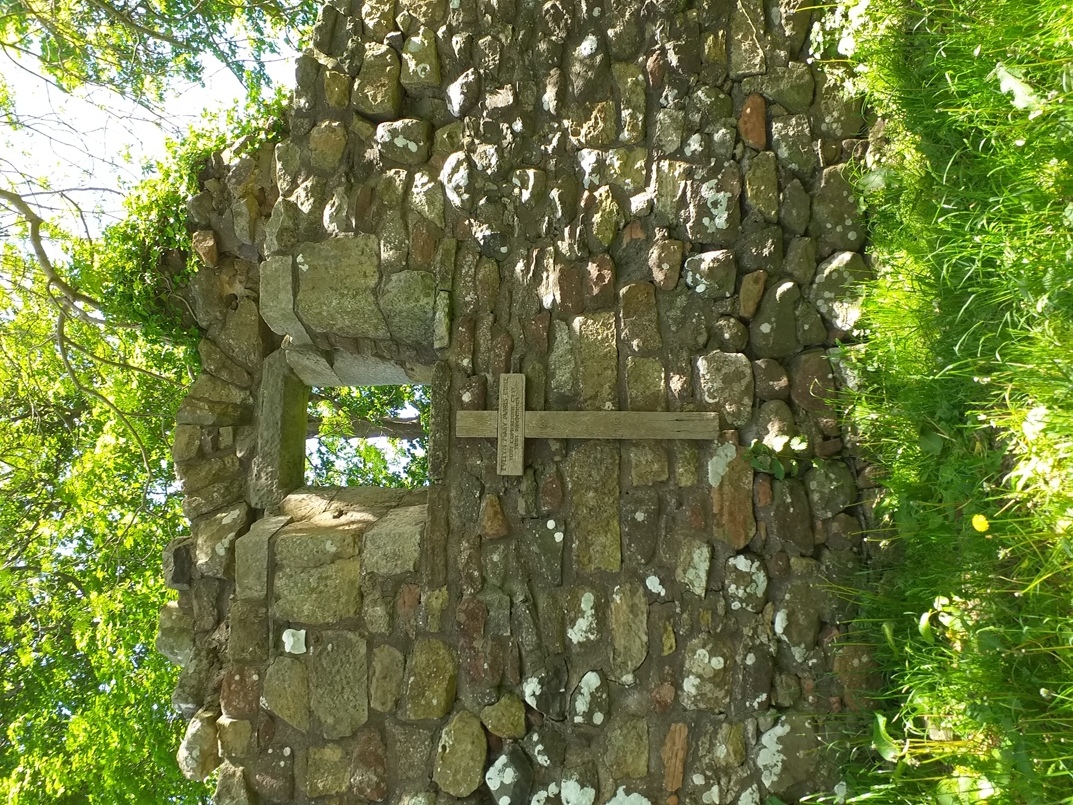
95,143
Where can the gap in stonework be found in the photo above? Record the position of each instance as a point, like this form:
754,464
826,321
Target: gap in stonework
367,436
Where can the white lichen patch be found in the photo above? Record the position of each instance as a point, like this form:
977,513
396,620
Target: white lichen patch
713,796
622,798
531,688
583,701
499,775
718,202
695,574
584,628
720,462
573,793
770,758
751,796
746,581
294,641
655,585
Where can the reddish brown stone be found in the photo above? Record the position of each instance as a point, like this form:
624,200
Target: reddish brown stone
551,492
762,489
600,283
828,448
502,352
406,606
369,772
673,755
858,672
470,567
633,231
663,697
665,263
471,617
240,691
204,242
656,67
567,288
493,522
536,333
752,124
272,775
732,504
424,238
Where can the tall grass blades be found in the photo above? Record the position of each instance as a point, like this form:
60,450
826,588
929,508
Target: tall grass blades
967,399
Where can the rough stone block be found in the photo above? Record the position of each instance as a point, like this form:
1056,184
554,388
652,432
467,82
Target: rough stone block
430,682
286,692
393,545
320,594
597,360
592,473
338,683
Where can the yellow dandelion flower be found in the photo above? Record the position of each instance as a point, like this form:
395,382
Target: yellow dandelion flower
980,523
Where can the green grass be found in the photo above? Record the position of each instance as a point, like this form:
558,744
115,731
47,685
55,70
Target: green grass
966,400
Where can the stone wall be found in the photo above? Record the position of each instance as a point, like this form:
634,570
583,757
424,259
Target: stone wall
638,206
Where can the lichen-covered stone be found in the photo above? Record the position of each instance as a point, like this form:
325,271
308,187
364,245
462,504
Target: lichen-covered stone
408,303
175,634
592,472
510,777
590,701
773,330
377,90
694,564
286,691
317,595
198,753
792,142
626,747
711,274
338,683
831,488
707,674
461,755
836,221
629,630
726,381
834,291
336,282
505,718
405,141
762,185
430,681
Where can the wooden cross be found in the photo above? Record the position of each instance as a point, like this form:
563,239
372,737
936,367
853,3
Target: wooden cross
511,425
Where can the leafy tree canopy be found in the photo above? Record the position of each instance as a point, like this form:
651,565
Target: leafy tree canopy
92,374
139,48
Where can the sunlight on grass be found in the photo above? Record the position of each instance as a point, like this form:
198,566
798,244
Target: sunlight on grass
966,399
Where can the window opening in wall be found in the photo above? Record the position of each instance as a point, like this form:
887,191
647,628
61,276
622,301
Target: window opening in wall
367,436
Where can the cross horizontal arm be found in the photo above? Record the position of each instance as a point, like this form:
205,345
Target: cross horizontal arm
596,425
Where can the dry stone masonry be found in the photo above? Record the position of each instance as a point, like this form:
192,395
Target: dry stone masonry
639,206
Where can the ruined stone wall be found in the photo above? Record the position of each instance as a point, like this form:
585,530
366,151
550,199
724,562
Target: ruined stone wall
638,206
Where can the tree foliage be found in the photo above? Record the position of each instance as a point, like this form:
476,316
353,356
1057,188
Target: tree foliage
368,435
92,373
86,501
139,48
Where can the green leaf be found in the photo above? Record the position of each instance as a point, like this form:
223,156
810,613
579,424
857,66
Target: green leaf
881,740
924,627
